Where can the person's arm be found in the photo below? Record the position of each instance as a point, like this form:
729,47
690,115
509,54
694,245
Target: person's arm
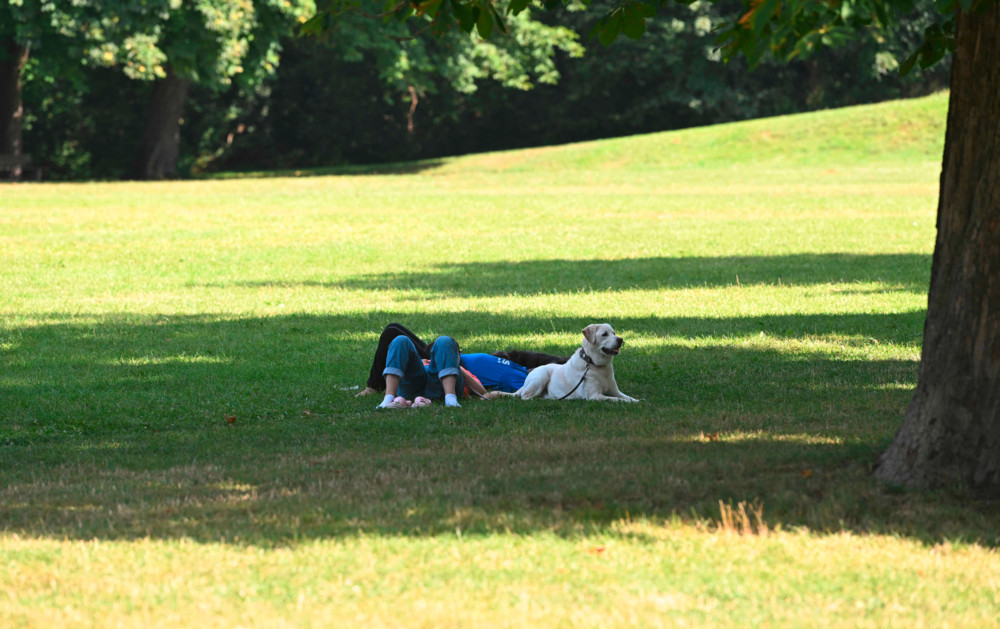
472,383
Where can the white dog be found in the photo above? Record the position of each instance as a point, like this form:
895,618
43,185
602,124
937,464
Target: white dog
587,375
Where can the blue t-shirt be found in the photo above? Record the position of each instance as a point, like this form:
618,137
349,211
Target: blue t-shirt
495,373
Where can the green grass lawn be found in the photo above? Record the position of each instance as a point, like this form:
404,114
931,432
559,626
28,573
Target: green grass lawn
769,279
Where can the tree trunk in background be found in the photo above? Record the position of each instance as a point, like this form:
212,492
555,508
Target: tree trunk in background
951,433
13,56
161,137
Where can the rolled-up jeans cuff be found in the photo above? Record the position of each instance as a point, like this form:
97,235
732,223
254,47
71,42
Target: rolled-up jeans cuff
448,371
392,371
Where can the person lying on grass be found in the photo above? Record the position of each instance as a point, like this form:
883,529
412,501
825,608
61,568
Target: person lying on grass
405,366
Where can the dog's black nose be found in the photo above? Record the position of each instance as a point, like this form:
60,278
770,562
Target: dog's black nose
620,340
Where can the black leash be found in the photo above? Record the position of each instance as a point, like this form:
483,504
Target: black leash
589,362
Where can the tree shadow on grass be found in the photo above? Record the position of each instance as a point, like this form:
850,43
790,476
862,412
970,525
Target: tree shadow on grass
393,168
897,272
118,430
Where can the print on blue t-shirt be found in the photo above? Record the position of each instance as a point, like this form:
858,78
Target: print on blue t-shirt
494,372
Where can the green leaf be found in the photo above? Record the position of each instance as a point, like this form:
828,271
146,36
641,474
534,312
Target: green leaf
430,7
907,66
609,28
645,10
314,25
804,47
847,10
633,24
634,29
932,54
881,11
837,36
484,24
762,15
465,15
516,6
498,19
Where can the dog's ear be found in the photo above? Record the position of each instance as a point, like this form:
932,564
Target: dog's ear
590,332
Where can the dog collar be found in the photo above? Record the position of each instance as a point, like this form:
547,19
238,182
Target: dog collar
587,359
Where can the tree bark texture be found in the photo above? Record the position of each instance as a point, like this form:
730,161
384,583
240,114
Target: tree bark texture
950,436
12,60
161,137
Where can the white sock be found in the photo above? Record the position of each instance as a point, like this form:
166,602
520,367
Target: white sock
450,399
387,401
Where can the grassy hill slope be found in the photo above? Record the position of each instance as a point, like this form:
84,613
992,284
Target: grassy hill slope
897,131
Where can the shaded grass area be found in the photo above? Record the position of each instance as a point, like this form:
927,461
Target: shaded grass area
122,369
124,436
900,271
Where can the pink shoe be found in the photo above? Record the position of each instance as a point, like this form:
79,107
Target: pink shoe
399,402
421,401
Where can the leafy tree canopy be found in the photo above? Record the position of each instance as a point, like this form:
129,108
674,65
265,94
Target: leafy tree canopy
406,59
211,42
785,28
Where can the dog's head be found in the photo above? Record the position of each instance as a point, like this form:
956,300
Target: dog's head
601,343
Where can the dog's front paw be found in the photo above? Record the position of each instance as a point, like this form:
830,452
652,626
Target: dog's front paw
629,398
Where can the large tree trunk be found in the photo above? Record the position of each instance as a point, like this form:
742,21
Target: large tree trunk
161,138
951,433
13,56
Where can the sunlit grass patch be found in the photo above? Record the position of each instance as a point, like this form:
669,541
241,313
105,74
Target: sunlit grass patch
640,572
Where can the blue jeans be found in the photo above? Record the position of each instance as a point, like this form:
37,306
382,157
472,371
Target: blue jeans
414,378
